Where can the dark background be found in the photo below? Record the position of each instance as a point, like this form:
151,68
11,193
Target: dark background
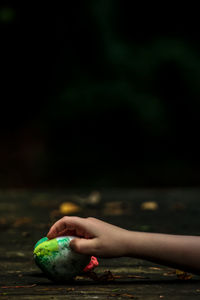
99,94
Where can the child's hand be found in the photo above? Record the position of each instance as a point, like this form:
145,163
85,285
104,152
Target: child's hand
94,237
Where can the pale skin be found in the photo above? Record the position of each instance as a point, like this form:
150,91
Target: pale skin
101,239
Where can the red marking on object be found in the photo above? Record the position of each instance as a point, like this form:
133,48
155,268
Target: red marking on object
92,264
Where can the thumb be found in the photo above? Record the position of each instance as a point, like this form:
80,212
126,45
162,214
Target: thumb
83,246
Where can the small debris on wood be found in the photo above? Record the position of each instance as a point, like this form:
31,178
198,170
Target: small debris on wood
106,276
26,234
18,286
170,273
183,275
149,205
93,199
67,208
154,268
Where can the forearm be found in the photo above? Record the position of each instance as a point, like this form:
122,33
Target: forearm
177,251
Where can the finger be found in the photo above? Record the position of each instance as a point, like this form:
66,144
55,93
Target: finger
84,246
67,226
56,229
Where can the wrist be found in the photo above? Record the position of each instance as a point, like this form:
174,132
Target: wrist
136,244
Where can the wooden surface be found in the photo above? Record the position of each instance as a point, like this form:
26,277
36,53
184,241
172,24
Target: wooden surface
25,216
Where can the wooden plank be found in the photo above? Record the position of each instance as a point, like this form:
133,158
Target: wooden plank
23,220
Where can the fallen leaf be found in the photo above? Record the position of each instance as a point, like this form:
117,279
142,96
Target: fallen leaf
149,205
69,208
70,289
183,275
78,277
170,273
93,199
20,254
91,274
128,296
106,276
154,268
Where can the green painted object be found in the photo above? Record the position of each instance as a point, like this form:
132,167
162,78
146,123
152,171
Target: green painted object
57,260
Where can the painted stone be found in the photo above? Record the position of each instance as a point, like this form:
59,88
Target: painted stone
57,260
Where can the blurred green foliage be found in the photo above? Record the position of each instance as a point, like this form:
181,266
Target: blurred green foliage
112,88
7,14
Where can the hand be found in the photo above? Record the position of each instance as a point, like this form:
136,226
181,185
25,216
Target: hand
94,237
97,238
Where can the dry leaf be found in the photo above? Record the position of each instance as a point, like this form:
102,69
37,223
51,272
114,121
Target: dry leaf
183,275
91,274
67,208
170,273
70,289
149,205
154,268
93,199
107,276
128,296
